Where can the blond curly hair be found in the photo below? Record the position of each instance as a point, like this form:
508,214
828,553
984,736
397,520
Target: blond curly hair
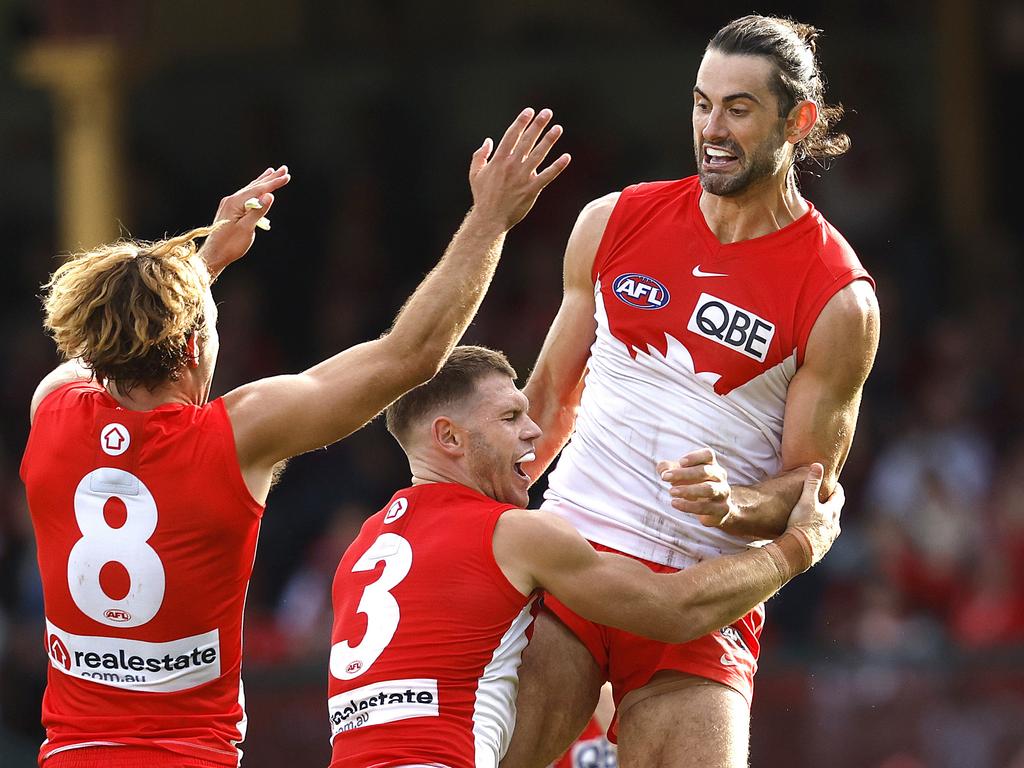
127,309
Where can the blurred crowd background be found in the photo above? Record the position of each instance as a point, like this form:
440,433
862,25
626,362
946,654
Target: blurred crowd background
904,649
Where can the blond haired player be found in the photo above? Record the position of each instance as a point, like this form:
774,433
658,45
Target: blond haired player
146,497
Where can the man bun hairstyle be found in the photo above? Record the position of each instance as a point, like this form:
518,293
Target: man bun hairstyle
792,47
455,381
127,309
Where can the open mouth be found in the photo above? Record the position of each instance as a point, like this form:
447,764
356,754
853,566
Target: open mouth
718,158
526,457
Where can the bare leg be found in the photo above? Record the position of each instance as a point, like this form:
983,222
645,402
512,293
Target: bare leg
559,684
681,721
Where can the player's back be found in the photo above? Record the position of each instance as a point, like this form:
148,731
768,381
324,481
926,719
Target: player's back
146,535
428,636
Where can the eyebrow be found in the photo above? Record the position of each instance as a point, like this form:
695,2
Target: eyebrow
730,97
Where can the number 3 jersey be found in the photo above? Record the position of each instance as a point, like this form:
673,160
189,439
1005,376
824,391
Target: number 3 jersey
696,345
428,636
146,535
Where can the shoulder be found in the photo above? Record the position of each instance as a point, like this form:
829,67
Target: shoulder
64,375
845,335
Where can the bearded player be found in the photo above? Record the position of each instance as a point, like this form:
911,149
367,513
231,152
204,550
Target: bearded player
719,318
146,497
432,601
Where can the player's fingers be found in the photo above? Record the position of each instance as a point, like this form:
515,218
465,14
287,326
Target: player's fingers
551,173
812,483
479,159
533,131
540,152
513,132
700,491
707,515
688,475
664,466
698,456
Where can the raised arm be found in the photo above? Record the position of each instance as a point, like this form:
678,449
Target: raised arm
229,242
820,419
538,550
280,417
556,383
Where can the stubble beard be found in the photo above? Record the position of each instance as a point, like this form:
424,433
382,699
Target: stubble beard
764,163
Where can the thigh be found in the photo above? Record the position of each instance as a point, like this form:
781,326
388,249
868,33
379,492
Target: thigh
683,721
559,685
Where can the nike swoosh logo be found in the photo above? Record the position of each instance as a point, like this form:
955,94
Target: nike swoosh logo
698,272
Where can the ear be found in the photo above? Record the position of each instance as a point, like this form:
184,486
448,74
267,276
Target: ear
192,348
448,436
801,121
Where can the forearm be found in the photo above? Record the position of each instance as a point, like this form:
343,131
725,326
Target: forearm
555,414
437,314
717,592
761,511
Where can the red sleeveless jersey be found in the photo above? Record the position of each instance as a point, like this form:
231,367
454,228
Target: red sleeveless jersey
428,636
146,535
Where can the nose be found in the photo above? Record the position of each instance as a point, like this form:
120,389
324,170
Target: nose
532,431
714,126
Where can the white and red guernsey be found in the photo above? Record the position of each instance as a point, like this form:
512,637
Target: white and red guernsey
428,636
696,345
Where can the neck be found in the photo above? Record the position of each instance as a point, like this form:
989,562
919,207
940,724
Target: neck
427,469
141,398
761,209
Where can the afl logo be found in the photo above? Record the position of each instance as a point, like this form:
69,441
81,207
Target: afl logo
640,291
116,614
354,667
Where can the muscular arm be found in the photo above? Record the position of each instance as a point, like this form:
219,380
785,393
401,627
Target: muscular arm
280,417
556,383
538,550
820,419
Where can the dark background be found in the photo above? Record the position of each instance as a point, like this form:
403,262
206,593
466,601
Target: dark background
904,649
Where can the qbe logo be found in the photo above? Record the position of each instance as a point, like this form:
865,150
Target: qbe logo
732,327
640,291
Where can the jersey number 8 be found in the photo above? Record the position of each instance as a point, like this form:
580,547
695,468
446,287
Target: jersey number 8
102,543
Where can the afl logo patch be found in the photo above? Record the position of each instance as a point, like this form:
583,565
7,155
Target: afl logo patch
640,291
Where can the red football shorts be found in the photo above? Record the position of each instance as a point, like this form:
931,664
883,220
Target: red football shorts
727,656
127,756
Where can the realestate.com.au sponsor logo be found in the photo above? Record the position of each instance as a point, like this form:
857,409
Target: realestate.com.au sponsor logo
176,665
383,702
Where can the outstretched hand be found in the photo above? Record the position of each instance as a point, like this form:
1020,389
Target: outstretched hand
506,183
233,238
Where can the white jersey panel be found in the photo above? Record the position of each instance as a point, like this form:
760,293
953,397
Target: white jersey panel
494,713
636,411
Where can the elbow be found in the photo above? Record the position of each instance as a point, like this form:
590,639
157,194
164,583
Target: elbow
420,359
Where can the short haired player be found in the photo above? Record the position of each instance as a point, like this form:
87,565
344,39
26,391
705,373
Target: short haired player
719,318
146,497
432,601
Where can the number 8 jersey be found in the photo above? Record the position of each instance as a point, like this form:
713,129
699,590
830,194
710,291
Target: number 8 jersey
428,636
146,535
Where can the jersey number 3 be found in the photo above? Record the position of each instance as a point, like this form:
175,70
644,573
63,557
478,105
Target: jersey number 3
102,544
379,605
